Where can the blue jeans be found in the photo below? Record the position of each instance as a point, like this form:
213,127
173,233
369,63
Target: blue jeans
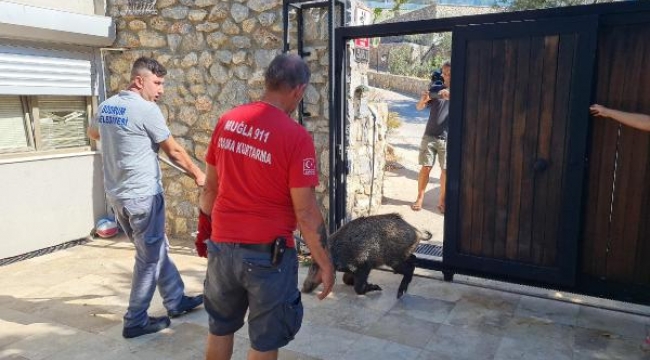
143,221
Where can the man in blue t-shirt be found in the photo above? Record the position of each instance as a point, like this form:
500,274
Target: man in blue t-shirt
434,141
132,129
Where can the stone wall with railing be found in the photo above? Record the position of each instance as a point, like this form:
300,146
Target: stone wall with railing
402,84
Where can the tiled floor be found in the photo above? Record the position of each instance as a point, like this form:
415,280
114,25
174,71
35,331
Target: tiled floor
69,305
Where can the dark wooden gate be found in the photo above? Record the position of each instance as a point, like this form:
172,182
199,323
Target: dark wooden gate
518,129
615,250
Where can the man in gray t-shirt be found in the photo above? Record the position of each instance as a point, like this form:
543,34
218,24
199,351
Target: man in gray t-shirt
132,129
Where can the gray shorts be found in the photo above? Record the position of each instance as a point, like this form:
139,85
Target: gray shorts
238,279
430,147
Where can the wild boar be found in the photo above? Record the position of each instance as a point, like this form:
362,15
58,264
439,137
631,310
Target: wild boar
367,243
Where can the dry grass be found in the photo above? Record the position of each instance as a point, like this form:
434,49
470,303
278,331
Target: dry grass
392,161
393,121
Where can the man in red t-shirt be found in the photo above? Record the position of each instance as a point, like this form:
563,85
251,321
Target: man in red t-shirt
260,179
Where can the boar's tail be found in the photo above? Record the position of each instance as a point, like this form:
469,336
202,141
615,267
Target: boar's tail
425,235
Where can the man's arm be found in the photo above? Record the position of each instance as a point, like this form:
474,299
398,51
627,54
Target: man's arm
210,190
93,133
635,120
424,99
179,156
206,201
312,226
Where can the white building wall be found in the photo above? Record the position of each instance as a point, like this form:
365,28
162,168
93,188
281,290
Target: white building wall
46,200
76,6
31,23
49,201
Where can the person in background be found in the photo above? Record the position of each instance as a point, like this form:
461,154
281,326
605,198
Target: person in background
132,129
260,183
434,140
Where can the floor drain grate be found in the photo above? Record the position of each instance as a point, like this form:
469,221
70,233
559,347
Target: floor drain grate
429,250
41,252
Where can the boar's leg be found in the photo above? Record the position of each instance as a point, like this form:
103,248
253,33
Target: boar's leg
348,278
361,285
406,268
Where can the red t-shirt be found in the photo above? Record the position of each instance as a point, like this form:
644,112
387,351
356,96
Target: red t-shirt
259,153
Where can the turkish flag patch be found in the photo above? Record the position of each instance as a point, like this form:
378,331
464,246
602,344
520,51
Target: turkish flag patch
309,166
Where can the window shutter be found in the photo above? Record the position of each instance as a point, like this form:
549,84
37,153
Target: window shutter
13,133
63,121
34,71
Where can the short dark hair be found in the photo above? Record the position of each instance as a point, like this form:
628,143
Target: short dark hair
286,71
145,63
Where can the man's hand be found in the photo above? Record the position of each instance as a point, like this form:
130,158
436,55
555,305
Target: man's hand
93,133
599,110
203,234
424,99
327,277
200,179
444,94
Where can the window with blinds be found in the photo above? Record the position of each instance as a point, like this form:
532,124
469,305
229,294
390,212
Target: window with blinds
61,123
14,135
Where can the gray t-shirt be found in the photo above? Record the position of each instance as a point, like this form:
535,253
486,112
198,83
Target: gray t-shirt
130,129
438,118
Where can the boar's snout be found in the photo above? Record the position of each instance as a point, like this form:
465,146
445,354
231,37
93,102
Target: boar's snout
312,280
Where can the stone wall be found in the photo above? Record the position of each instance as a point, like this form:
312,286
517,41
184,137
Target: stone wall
367,155
443,11
215,52
402,84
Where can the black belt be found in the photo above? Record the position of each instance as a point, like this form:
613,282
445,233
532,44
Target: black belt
268,248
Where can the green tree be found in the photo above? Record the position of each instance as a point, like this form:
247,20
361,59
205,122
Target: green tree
397,6
401,61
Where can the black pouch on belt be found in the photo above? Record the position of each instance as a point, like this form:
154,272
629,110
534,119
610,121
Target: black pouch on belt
279,246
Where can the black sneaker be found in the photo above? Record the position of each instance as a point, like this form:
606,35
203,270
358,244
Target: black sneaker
188,303
155,324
